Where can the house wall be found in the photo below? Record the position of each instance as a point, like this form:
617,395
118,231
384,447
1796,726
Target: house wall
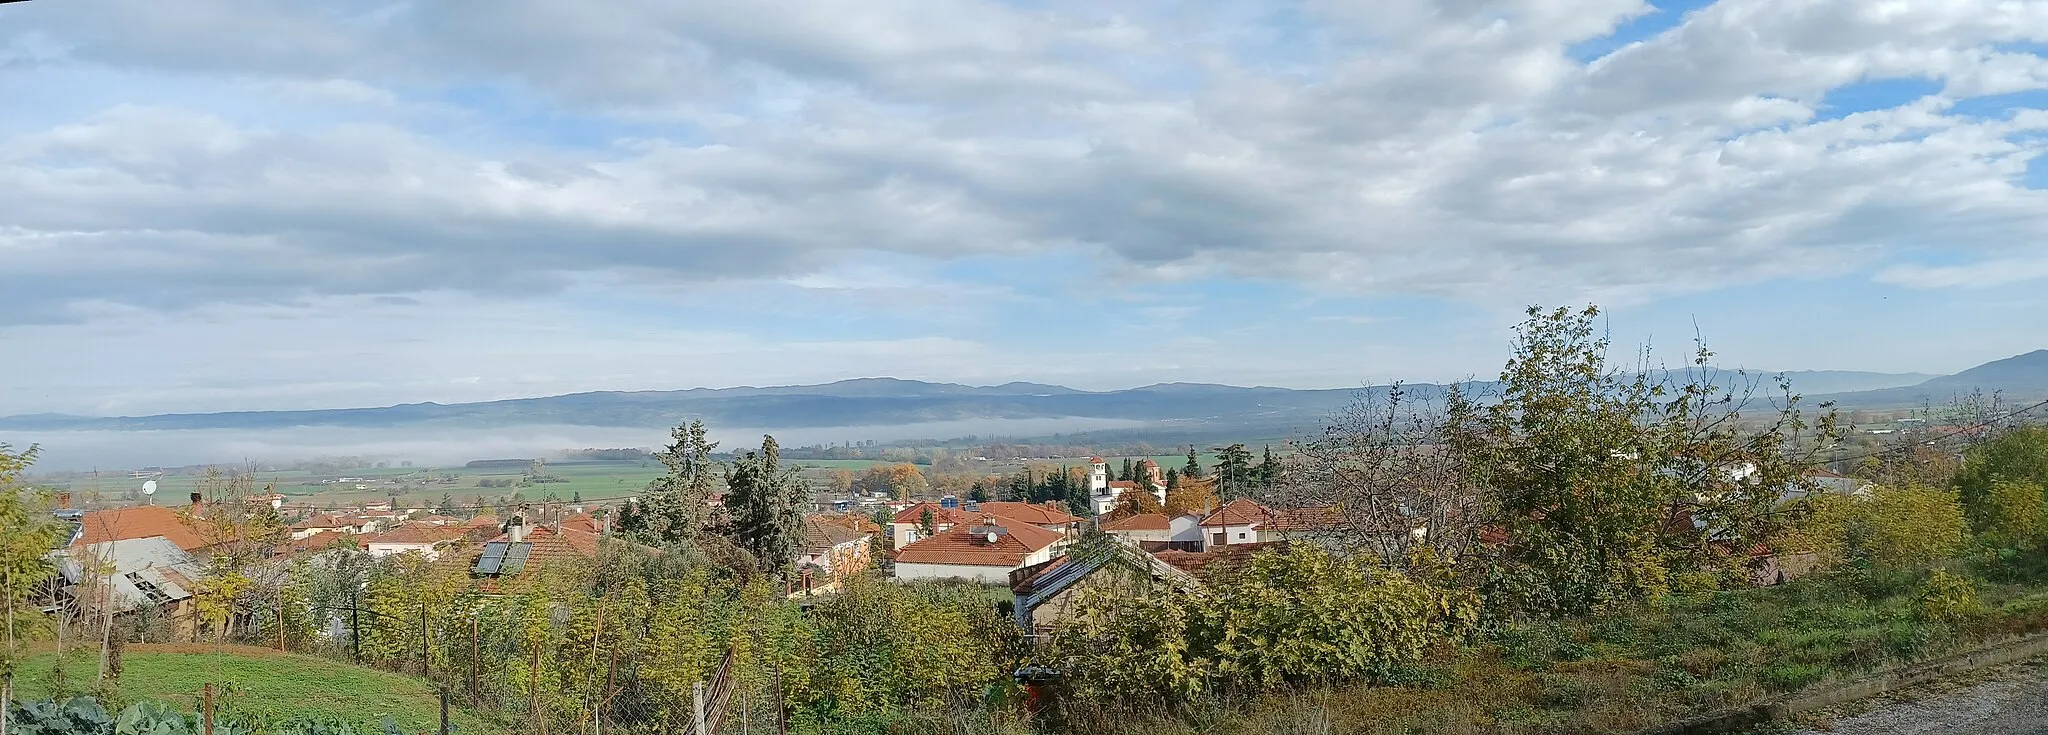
983,574
1185,528
1231,535
1166,535
380,550
989,574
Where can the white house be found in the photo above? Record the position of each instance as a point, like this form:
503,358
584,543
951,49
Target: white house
1104,493
1237,522
424,539
907,526
985,551
1184,530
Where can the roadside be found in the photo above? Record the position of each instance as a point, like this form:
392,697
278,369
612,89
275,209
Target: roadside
2005,700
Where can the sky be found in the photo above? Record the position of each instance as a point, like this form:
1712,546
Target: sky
246,204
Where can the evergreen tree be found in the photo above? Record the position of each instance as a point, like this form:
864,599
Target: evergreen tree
1076,495
629,521
1268,470
766,501
677,504
447,506
928,522
1233,470
978,492
1193,469
1130,471
576,497
1172,479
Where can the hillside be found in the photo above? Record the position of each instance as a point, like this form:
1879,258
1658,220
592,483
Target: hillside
2020,378
891,401
259,682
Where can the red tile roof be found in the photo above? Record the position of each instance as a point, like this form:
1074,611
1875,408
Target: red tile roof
582,522
821,534
318,521
967,544
915,514
1239,512
1221,557
142,521
1043,514
320,541
483,521
1140,522
417,533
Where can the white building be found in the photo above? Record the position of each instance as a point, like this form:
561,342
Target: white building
1104,493
985,551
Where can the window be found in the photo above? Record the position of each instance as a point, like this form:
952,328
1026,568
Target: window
1218,539
1240,536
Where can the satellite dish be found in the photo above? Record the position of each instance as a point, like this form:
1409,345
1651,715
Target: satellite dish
149,487
991,537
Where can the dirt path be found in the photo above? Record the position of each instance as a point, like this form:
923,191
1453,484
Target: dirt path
2010,700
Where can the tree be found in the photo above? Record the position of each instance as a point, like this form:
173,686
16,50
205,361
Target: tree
1234,476
26,535
1909,527
1193,469
900,481
927,522
2013,514
1191,496
766,501
1268,471
1377,465
2019,456
841,481
677,504
1137,501
447,505
1609,482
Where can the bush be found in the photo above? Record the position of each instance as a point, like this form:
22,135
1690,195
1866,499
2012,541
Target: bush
1947,599
2012,514
1909,527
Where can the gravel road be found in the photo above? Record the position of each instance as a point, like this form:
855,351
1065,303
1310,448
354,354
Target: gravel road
2013,702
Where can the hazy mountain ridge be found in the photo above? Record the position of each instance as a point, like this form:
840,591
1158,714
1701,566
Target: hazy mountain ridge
881,401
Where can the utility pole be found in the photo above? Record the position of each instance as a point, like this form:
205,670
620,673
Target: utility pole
697,708
473,660
426,671
280,620
355,612
208,696
444,711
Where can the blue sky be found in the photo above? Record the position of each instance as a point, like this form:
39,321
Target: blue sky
227,204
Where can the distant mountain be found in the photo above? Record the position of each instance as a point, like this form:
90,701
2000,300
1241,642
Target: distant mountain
2020,378
891,401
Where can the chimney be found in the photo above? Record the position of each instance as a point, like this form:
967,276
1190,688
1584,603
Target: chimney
198,505
64,501
516,529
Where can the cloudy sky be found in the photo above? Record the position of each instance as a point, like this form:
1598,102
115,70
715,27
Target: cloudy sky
233,204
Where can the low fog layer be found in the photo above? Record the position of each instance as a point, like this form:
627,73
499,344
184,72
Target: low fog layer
109,450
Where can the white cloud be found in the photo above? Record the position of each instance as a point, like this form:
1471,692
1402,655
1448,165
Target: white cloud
1397,147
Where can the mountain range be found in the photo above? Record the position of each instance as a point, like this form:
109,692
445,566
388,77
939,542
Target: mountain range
890,401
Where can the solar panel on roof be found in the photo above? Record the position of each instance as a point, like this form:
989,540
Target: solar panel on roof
493,559
515,558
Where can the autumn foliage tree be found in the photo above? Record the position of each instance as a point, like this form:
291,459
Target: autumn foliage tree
1191,496
1608,482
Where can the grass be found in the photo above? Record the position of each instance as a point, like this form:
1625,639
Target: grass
1683,656
257,683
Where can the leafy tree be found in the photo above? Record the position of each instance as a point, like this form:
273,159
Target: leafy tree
1609,482
1193,469
26,535
1234,473
841,481
1908,527
1136,501
766,501
978,492
1192,496
2019,456
676,506
900,481
2013,514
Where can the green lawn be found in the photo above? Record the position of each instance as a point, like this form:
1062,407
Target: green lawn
261,683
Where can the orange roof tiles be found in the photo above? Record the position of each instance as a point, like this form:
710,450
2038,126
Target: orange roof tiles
320,541
483,521
142,521
915,514
417,533
1239,512
1140,522
318,521
967,544
582,522
1043,514
821,533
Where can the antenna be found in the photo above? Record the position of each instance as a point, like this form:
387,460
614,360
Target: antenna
149,491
